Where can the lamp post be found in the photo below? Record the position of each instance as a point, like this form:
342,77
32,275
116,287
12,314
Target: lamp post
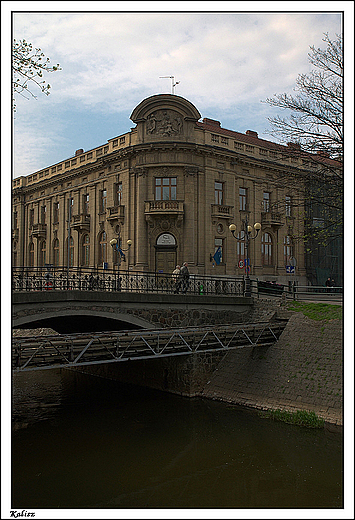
247,235
116,246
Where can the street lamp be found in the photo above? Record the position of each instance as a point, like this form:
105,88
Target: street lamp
247,235
116,246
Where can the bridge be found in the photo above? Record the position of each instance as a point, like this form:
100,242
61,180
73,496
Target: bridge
77,350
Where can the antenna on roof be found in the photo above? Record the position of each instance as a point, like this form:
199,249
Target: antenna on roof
173,83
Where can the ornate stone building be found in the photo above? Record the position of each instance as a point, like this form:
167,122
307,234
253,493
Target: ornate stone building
173,184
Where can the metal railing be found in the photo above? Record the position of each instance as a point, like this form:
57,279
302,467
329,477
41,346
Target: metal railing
87,279
60,278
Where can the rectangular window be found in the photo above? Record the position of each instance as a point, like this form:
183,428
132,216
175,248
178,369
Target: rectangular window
249,148
214,138
122,140
165,188
56,212
103,201
43,214
218,192
67,164
238,146
32,217
15,219
86,204
98,152
82,158
59,167
118,195
224,140
288,206
242,199
266,201
115,142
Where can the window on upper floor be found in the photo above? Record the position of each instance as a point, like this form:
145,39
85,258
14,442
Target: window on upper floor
31,217
266,201
165,188
103,200
56,212
86,204
218,192
118,194
43,214
242,199
214,138
288,205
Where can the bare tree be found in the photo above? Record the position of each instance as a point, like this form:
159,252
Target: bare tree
28,66
316,110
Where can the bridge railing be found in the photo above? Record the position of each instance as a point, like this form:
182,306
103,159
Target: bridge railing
59,278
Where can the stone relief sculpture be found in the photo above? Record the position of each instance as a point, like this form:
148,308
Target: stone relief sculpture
164,123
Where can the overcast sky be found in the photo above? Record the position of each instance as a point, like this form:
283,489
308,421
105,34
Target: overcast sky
226,63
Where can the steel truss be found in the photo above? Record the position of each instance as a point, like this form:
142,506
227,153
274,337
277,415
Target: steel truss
74,350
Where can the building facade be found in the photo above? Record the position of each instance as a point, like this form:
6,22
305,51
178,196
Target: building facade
172,185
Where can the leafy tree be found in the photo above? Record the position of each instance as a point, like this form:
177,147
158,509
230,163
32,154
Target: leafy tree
28,66
312,131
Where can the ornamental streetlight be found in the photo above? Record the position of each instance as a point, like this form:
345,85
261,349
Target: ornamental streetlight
116,246
247,237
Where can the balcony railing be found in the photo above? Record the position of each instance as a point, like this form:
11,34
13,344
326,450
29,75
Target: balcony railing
221,211
81,222
271,218
115,212
164,207
39,230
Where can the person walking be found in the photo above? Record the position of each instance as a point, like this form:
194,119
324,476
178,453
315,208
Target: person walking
184,275
176,279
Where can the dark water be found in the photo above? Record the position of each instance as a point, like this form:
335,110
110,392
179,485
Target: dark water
83,442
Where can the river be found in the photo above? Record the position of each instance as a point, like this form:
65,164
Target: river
83,442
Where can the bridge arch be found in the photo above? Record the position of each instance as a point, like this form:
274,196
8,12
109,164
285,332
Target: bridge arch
47,317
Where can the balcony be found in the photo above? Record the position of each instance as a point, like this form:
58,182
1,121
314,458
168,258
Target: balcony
164,207
39,230
81,222
271,218
171,209
221,211
115,214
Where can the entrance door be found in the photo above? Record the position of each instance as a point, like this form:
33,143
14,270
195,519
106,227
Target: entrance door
165,257
165,261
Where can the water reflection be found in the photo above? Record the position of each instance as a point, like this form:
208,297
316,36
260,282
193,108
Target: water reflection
82,442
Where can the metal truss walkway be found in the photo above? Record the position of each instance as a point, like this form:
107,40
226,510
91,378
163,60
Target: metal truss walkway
74,350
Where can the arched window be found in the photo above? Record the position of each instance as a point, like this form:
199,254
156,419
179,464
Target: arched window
85,259
288,249
103,248
56,252
266,249
31,258
42,253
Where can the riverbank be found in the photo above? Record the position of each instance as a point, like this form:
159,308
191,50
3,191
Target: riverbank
303,370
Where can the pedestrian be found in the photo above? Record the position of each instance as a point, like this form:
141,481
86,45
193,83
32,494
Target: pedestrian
176,279
328,283
184,277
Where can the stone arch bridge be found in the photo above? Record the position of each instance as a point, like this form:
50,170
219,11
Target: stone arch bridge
76,311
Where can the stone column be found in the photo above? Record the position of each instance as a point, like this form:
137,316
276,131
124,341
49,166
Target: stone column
141,234
191,245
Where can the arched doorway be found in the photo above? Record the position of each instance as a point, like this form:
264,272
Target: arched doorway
165,253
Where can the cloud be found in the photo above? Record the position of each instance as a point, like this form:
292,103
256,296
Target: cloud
111,61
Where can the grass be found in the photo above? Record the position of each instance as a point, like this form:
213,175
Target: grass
299,418
317,311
